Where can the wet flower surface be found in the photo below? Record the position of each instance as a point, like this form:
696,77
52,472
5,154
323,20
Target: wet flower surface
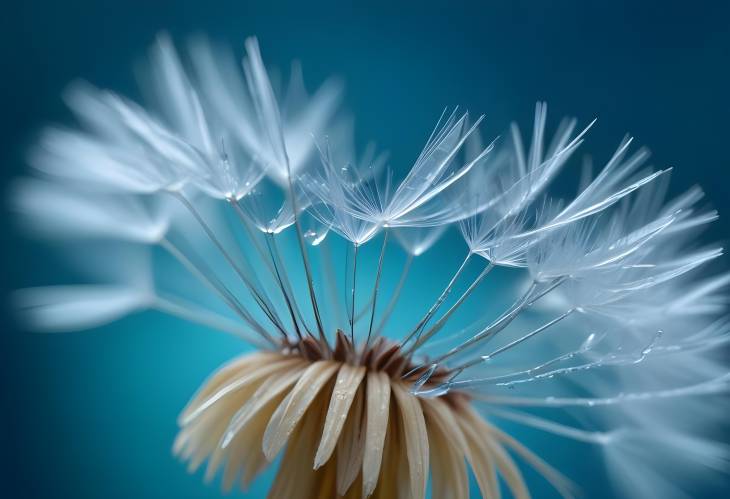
246,207
346,418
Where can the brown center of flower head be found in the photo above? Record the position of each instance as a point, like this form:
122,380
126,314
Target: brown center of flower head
350,426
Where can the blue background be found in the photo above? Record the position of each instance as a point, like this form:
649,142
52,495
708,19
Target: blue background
93,414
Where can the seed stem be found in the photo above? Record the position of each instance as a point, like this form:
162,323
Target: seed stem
444,319
261,301
354,286
218,287
444,294
377,284
396,295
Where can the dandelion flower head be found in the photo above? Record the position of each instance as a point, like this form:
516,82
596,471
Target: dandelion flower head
243,204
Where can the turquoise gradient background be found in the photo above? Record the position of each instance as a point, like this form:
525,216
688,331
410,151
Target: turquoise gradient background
92,414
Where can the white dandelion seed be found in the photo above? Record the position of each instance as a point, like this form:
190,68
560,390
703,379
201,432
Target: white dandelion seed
615,321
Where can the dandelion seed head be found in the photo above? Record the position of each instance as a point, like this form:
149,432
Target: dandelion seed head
302,246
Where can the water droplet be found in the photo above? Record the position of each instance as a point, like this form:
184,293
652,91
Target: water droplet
425,377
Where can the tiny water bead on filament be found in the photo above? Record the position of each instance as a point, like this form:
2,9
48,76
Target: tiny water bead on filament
393,322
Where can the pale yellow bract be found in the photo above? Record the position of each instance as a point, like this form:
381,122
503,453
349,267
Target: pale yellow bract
348,426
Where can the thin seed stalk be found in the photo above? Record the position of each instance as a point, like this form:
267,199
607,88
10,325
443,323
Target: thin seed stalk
377,284
396,295
354,285
258,298
439,301
443,320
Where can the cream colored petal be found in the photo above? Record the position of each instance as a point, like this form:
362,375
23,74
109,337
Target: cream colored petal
203,434
248,382
351,446
403,476
562,484
416,439
354,492
444,483
378,403
197,458
180,442
231,471
346,385
394,453
217,458
255,460
201,437
296,479
246,442
284,476
327,481
509,470
480,458
269,390
449,477
236,367
293,407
